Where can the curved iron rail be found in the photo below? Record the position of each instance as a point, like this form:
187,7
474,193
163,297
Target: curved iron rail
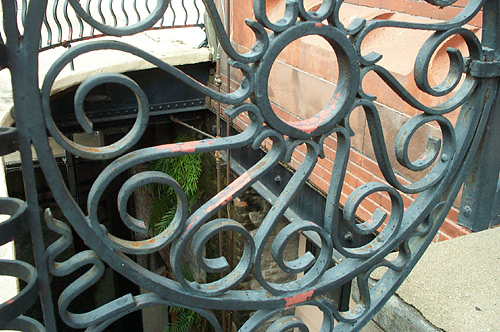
63,26
406,231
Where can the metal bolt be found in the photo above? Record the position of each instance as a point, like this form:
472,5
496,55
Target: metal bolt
277,178
467,211
348,236
445,158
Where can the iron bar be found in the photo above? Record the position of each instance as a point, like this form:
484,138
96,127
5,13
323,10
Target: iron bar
33,216
477,211
230,254
407,230
175,120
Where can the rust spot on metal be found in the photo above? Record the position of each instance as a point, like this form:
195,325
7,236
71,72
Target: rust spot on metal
299,298
319,24
143,243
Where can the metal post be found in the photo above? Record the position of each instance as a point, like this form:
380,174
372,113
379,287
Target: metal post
477,211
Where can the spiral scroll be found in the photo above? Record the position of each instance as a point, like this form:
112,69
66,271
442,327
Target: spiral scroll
406,230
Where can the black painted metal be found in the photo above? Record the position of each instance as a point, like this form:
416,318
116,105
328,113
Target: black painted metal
408,231
478,211
270,185
107,105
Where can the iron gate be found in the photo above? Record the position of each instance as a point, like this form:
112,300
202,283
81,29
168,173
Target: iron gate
464,146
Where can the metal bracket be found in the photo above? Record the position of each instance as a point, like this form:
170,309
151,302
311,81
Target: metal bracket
485,69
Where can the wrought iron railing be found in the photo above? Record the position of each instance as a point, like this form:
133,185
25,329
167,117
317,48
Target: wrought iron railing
407,231
62,25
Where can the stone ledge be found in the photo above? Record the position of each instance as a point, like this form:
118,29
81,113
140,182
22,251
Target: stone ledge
398,316
453,288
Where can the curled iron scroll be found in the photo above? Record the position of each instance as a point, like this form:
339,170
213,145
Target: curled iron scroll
406,230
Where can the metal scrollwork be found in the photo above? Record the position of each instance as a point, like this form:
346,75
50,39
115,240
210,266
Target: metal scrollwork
407,231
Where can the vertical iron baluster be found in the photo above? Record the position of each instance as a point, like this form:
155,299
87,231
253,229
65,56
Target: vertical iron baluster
124,12
115,21
163,17
198,14
56,19
99,8
80,25
185,11
173,14
87,8
68,21
137,11
24,6
49,31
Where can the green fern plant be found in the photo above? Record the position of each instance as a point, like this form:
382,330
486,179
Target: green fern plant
186,170
183,319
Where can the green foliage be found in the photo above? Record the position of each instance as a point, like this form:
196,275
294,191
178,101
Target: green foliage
185,319
186,170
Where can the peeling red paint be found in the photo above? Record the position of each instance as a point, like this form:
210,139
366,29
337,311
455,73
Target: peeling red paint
311,124
225,196
299,298
319,24
184,147
10,301
190,225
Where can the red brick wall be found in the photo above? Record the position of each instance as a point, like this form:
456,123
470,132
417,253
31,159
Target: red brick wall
303,75
420,8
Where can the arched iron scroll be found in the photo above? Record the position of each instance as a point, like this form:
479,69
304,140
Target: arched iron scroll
471,90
